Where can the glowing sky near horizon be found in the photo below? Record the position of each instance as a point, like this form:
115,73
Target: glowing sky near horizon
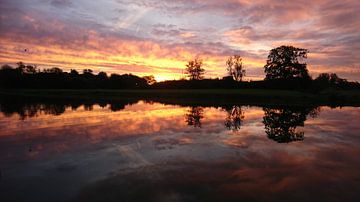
151,37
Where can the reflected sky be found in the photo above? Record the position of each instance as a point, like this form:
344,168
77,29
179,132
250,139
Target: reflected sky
157,152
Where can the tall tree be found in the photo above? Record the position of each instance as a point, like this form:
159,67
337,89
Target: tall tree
235,67
284,62
194,69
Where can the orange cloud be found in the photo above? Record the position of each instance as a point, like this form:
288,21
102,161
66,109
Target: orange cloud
159,38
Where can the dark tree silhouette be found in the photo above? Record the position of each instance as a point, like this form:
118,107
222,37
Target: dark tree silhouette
28,76
54,70
194,69
284,62
194,115
102,75
26,69
73,72
281,123
88,72
235,67
234,118
6,67
20,67
330,79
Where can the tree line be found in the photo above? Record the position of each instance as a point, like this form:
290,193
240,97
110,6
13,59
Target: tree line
284,69
29,76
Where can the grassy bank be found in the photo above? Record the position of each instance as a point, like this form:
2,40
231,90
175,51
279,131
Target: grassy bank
198,96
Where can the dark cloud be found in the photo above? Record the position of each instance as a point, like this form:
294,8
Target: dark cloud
61,3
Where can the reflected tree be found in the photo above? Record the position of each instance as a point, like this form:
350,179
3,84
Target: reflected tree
88,107
281,123
27,108
194,115
117,106
54,109
75,106
234,118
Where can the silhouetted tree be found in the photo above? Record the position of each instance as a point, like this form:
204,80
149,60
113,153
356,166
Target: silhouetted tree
26,69
20,67
102,75
235,67
27,76
284,62
6,67
194,69
88,72
329,78
54,70
30,69
234,118
73,72
193,116
281,123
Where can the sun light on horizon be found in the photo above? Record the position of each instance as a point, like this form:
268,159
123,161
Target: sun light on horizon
158,38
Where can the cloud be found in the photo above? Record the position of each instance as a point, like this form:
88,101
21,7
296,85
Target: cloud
61,3
159,35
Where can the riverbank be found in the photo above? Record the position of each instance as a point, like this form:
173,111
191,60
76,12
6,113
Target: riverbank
197,96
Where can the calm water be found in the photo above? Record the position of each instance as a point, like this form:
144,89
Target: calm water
156,152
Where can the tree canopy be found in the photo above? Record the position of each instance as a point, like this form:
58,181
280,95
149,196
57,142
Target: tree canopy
285,62
29,76
194,70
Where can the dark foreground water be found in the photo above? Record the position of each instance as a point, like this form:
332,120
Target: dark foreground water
157,152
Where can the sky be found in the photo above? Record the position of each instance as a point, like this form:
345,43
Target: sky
153,37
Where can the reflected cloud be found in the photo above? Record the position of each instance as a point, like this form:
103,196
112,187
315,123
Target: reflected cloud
146,147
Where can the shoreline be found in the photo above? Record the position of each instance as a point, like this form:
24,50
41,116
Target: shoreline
205,97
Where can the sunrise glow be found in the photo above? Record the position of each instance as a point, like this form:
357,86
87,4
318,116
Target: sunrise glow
149,37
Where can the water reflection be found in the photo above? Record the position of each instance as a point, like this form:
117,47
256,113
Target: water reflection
193,116
32,108
141,151
281,122
234,117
